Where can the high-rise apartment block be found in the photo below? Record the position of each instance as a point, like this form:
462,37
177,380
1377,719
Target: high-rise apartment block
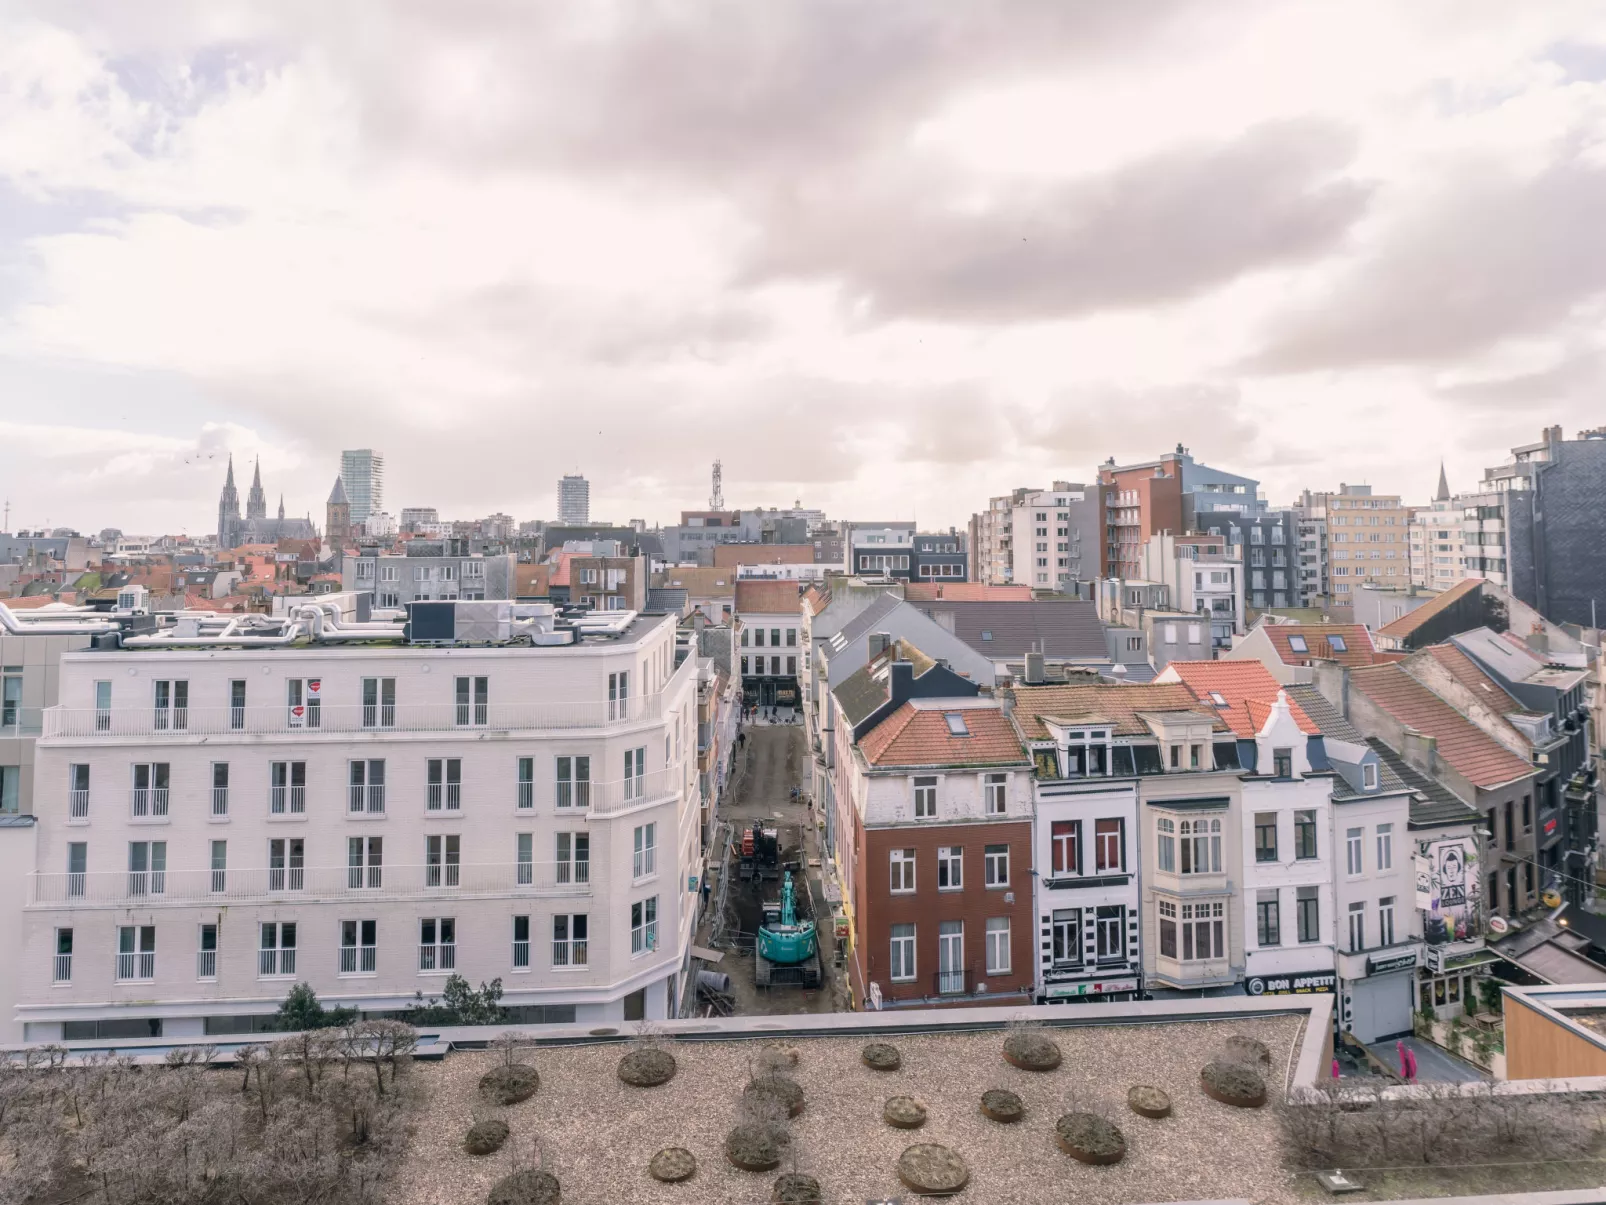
574,499
491,791
1168,495
1367,539
1034,537
362,470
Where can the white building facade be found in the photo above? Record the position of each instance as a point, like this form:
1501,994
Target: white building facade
216,823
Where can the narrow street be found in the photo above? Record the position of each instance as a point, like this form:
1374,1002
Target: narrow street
769,764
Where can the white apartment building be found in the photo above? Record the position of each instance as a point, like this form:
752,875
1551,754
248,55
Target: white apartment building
224,810
1435,544
1033,537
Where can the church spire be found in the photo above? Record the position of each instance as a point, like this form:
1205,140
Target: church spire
1444,485
256,503
228,511
281,508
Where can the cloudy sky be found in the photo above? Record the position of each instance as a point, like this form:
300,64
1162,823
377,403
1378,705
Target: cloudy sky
886,257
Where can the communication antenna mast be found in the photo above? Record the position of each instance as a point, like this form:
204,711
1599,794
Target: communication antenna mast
716,500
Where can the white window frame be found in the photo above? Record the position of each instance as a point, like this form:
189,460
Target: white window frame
995,865
643,926
925,796
644,853
996,788
1385,848
902,953
901,873
950,868
998,952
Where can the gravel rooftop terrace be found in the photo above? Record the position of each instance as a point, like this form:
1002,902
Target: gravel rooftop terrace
597,1134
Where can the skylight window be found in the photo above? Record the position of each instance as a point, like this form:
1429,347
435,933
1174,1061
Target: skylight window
986,635
1338,644
1217,698
1297,643
956,723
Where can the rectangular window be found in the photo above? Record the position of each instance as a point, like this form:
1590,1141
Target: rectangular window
237,704
304,702
950,868
775,637
444,789
1308,906
61,969
645,852
574,858
1265,836
995,865
903,953
359,947
220,866
287,860
1067,937
365,863
521,943
367,793
77,864
1166,844
276,953
996,792
925,797
998,960
569,935
1305,834
1385,848
220,788
644,925
1385,921
1282,763
1109,845
1109,930
1065,838
574,782
379,702
442,860
791,637
103,706
524,846
1352,850
1203,932
206,953
136,953
1357,926
526,796
1201,846
172,705
287,787
902,871
1268,921
619,696
150,790
950,957
1168,928
473,702
437,943
147,867
77,791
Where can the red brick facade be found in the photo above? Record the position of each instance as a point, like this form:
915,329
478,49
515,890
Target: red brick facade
879,908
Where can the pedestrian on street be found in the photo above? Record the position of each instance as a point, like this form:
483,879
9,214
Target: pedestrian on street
741,738
1410,1063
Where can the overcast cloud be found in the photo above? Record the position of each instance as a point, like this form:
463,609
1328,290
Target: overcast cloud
885,258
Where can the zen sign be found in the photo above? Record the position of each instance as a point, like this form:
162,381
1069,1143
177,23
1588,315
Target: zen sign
1312,983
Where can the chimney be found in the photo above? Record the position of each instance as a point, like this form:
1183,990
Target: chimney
1422,752
901,683
1034,669
878,642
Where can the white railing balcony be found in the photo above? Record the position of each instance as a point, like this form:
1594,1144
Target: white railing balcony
136,968
78,805
206,964
526,795
181,885
473,715
276,962
370,798
149,803
521,955
287,800
441,956
277,719
358,960
569,953
63,969
220,801
449,794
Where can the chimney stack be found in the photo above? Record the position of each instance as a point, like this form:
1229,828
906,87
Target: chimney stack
1034,669
878,642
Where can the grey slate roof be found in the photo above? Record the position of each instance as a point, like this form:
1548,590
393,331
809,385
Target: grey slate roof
861,694
669,599
1013,629
862,624
337,496
1333,723
1434,803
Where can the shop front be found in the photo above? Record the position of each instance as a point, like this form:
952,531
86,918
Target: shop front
1377,991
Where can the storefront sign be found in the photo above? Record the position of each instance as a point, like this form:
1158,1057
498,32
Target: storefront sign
1382,965
1550,826
1424,884
1061,991
1310,983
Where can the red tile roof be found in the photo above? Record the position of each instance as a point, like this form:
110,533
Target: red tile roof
1358,649
1115,705
817,598
919,736
965,592
1470,674
1248,688
1402,627
1477,757
761,597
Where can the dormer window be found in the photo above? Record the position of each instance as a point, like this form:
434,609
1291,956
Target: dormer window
1282,761
1369,776
1338,644
1297,643
956,723
1087,752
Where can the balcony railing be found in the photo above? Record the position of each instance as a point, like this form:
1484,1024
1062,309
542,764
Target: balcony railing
220,801
366,798
442,956
63,968
277,719
451,796
952,983
140,967
77,805
526,795
281,797
358,960
276,962
569,953
21,721
149,802
206,964
321,882
521,955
